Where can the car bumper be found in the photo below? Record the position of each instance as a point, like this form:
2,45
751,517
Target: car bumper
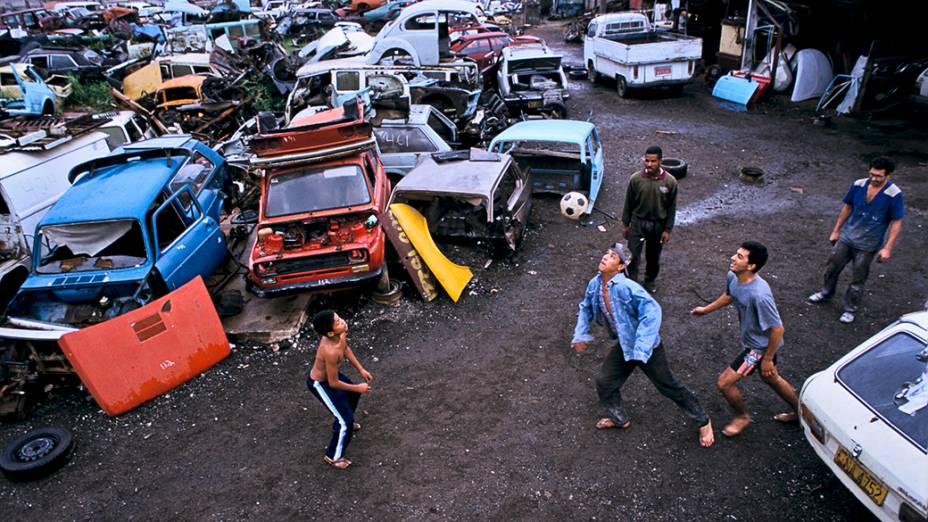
328,283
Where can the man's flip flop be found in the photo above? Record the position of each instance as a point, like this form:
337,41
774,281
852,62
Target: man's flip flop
606,423
341,463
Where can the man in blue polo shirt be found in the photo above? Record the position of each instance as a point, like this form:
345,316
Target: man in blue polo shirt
871,206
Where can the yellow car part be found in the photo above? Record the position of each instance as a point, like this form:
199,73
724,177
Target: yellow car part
452,277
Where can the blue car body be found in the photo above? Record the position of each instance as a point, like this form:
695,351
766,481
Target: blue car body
135,224
36,97
564,155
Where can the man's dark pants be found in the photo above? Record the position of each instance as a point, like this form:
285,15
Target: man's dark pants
645,233
841,255
616,370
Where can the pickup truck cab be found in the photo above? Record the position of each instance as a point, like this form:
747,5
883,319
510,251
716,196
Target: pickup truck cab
625,47
323,192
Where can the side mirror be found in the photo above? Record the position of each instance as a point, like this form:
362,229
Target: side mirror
246,217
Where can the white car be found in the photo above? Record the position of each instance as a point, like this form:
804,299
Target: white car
866,417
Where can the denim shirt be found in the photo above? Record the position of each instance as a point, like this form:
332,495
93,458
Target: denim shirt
636,316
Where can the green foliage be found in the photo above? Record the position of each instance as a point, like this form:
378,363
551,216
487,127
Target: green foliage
267,98
89,96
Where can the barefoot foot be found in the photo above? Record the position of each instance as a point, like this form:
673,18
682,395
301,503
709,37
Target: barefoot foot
341,463
736,425
706,435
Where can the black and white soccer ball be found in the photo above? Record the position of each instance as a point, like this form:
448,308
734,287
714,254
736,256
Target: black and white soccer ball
574,204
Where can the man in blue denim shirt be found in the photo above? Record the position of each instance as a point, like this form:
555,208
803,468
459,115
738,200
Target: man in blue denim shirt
871,206
634,317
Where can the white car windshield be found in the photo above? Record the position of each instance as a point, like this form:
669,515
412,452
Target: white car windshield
892,379
314,189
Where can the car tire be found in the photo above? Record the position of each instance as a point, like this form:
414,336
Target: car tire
36,453
675,166
621,86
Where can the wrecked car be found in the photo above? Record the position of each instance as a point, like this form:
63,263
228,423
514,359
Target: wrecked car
420,34
404,141
471,195
323,192
453,88
30,182
338,42
564,156
176,92
866,418
83,63
23,92
531,81
135,225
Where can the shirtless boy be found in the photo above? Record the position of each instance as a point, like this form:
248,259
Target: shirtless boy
336,392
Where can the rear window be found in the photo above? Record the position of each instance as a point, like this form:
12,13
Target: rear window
403,139
892,379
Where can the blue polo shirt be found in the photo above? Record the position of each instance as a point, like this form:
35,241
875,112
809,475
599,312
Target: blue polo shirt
867,224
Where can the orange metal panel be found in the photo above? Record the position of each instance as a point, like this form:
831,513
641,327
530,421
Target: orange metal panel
141,354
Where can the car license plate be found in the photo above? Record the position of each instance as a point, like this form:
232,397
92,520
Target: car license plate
861,476
662,71
534,104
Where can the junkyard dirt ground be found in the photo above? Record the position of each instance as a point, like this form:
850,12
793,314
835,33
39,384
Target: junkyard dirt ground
479,410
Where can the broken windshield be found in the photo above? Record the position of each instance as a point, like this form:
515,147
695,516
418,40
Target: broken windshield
84,247
314,189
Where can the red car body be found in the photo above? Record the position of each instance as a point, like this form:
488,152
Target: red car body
323,193
485,47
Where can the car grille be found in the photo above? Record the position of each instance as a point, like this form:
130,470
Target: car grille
306,264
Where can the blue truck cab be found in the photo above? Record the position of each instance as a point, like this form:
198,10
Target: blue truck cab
135,225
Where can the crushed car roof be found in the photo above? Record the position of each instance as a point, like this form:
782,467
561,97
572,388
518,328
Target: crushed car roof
570,131
461,177
429,6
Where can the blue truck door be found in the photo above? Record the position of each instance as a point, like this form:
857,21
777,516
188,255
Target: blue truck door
186,250
595,155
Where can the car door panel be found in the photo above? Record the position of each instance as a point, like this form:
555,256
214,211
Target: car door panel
198,250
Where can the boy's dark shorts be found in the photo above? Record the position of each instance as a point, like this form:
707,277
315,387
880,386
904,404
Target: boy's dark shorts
747,361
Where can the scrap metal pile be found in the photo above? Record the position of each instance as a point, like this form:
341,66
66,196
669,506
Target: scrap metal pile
243,156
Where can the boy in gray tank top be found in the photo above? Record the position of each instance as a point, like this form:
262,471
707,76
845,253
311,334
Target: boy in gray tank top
761,335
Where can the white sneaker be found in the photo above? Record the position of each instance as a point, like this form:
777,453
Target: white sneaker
846,318
818,297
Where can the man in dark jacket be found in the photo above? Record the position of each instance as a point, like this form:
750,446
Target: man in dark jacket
648,217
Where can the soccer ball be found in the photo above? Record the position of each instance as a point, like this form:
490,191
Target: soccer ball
573,204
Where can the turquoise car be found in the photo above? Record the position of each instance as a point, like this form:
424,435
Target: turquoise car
564,155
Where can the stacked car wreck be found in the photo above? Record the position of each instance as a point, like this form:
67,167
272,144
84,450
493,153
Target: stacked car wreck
290,139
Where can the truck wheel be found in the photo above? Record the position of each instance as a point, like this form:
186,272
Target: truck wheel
48,109
593,75
675,166
621,86
36,453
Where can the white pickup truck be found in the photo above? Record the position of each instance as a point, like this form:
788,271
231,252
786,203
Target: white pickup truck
625,47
